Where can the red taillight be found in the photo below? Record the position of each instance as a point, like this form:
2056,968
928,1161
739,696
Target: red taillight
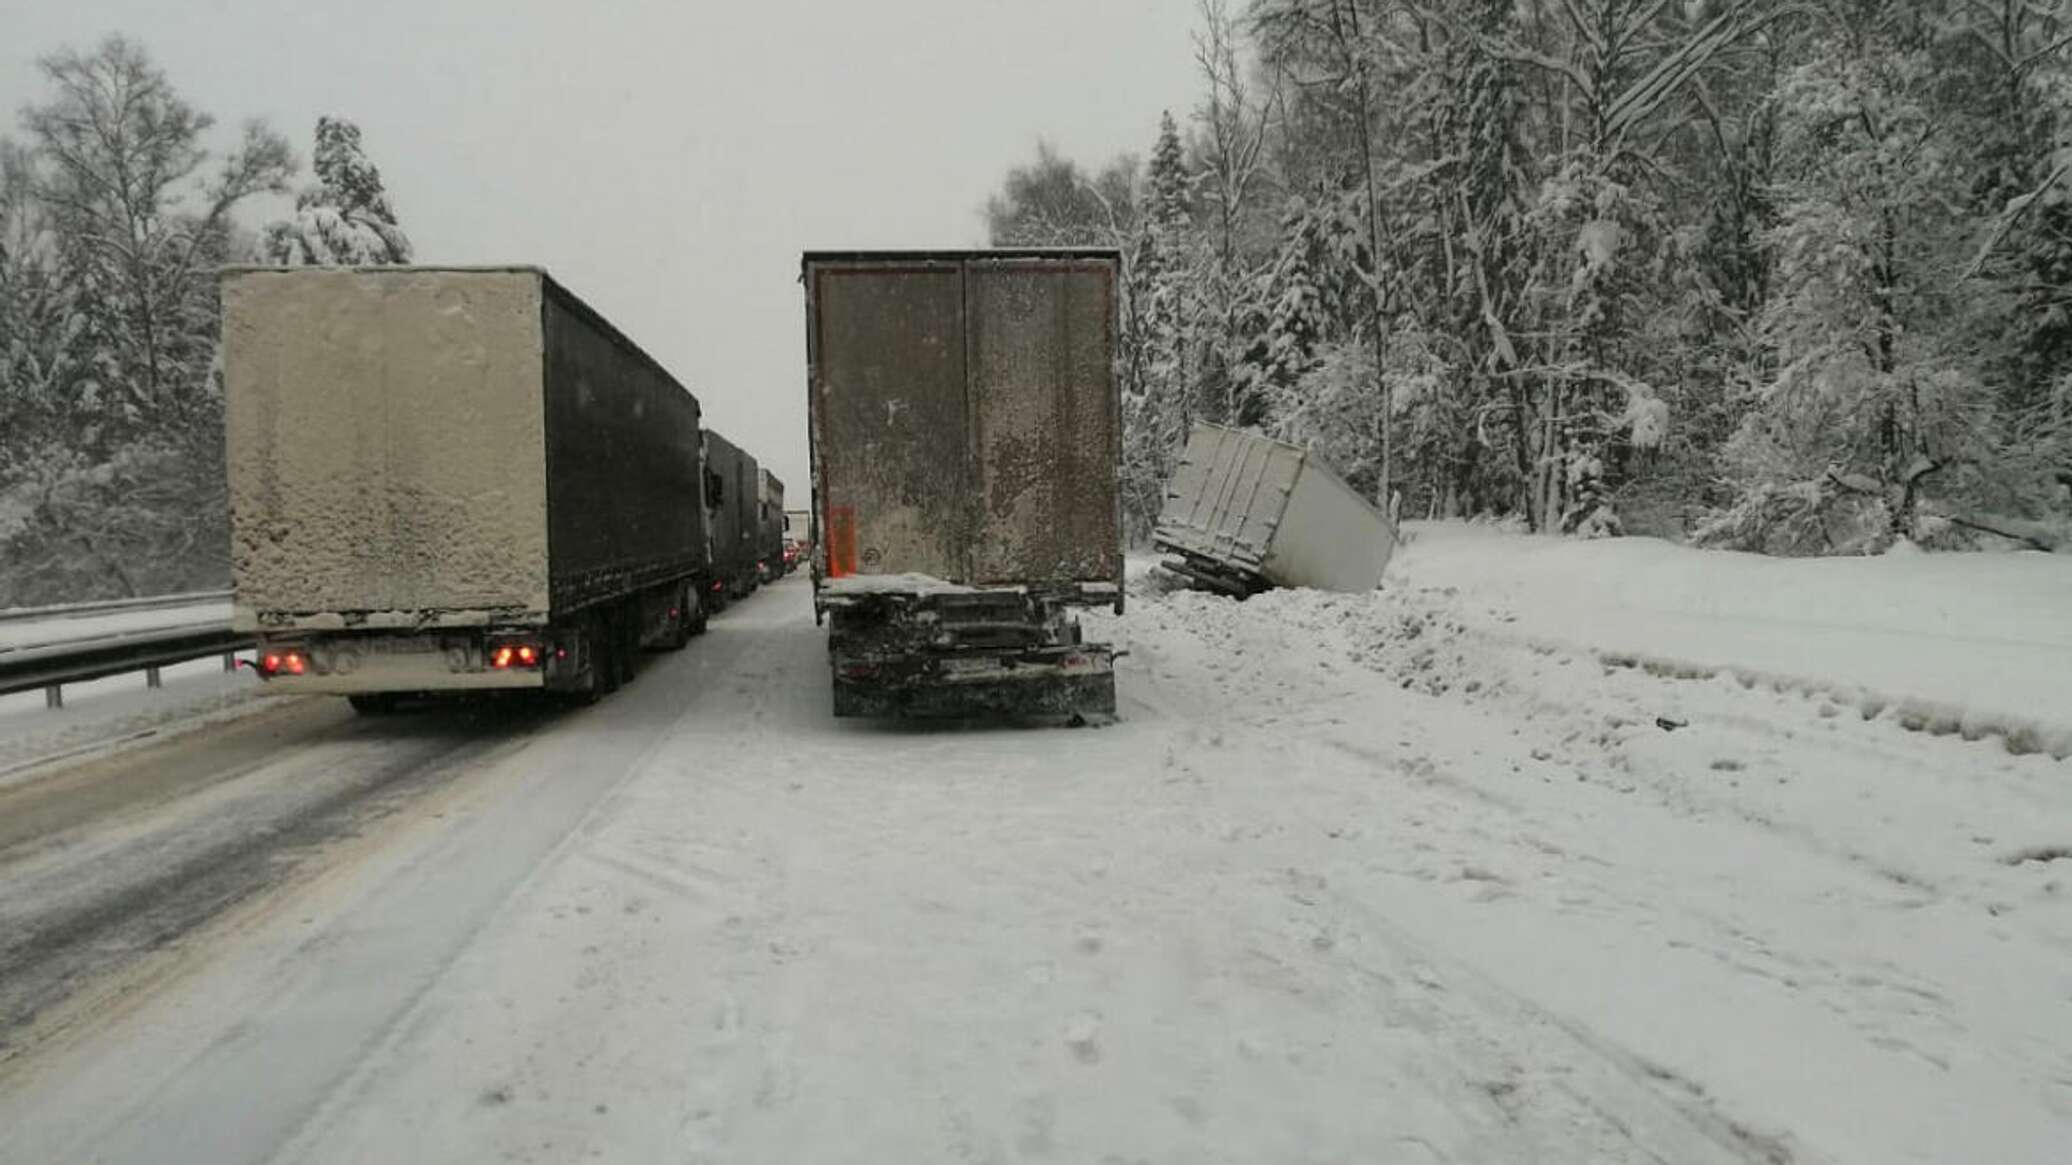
509,655
675,613
717,584
274,663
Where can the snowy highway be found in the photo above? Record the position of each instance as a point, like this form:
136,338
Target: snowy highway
1379,878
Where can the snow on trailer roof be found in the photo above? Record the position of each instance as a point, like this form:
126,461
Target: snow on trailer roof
555,287
902,584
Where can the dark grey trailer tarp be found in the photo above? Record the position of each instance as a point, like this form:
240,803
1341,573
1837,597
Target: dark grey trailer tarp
730,500
770,518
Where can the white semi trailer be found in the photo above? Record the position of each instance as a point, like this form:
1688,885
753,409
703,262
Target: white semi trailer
451,479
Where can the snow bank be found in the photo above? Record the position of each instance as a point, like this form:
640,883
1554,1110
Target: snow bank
1977,643
116,711
20,633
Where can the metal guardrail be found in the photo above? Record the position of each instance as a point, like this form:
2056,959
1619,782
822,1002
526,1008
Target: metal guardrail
52,665
108,606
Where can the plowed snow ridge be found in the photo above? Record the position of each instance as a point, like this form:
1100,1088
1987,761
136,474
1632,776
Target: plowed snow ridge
1974,643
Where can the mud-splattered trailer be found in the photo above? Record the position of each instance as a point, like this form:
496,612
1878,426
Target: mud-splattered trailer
966,434
452,478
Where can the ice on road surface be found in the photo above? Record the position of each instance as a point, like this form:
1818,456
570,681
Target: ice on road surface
1386,877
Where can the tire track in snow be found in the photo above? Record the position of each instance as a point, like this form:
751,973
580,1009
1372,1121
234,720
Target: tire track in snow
107,889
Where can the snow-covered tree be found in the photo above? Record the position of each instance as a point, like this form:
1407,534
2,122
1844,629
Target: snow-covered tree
1788,274
116,215
345,219
1164,260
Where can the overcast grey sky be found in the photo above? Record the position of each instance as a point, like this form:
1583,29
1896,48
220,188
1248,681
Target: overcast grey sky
669,159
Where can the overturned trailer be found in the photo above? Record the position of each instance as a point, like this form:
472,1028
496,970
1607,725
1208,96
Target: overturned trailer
1245,513
966,435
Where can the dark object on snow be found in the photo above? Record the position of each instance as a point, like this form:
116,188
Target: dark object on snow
966,432
731,483
1667,725
1245,513
769,500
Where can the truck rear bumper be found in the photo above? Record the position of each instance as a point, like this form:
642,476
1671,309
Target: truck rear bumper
402,680
444,661
1040,692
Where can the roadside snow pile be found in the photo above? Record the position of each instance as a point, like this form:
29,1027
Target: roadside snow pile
118,710
63,628
1978,644
1820,935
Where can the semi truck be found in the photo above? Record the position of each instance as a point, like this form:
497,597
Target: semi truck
965,432
449,479
730,508
1244,513
770,520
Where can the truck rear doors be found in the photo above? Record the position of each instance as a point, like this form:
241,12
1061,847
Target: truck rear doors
965,419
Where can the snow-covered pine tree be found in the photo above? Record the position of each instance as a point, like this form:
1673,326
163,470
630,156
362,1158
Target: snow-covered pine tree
345,219
1163,262
1878,398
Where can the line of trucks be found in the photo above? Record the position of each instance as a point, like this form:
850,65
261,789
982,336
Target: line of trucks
450,479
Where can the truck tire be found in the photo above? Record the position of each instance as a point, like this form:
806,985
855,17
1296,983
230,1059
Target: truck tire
627,645
681,628
604,657
372,703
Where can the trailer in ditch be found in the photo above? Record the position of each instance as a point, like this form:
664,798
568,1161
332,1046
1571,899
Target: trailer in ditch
966,437
1244,513
450,479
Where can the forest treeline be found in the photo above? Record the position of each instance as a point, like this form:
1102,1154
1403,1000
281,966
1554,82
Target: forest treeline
117,208
1783,275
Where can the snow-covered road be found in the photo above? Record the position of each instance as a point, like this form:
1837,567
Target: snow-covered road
1352,879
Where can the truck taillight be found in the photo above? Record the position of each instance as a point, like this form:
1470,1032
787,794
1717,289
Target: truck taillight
504,656
291,662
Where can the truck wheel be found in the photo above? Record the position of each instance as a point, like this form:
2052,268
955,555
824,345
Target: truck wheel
604,657
681,627
373,703
626,650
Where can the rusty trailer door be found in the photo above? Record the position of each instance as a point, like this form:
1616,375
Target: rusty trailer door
1047,420
890,417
